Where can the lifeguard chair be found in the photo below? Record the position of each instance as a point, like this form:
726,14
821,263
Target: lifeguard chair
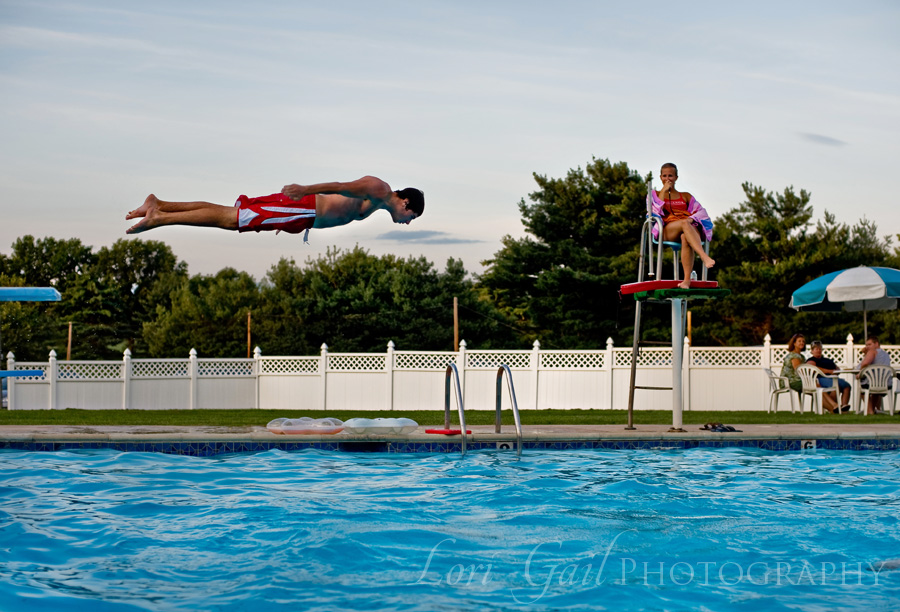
650,287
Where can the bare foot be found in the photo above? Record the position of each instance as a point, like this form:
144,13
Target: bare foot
708,261
685,284
149,210
150,202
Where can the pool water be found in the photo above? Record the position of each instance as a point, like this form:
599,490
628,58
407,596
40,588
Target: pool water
708,529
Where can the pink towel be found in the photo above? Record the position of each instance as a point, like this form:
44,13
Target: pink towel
697,212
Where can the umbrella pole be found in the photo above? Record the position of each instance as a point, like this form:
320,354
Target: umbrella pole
865,323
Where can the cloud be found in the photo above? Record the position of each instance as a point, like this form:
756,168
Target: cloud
824,140
425,237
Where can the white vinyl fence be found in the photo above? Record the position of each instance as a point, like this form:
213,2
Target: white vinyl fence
714,378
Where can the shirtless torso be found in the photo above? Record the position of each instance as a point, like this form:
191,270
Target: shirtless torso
342,203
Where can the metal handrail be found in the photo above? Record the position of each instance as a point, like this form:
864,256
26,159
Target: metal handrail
453,372
515,405
647,241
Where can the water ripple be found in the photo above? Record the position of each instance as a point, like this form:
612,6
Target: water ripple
563,530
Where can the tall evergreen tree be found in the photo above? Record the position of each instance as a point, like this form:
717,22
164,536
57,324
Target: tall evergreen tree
560,283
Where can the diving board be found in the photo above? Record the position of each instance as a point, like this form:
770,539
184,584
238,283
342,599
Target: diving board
29,294
11,373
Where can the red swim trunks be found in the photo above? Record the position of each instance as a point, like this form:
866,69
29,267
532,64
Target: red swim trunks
276,212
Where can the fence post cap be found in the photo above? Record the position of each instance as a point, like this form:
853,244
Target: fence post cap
257,352
193,352
127,352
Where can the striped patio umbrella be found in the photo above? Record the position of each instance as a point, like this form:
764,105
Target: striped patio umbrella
855,289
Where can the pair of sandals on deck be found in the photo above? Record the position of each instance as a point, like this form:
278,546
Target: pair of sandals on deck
719,428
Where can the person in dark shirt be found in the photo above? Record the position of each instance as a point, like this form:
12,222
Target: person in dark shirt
828,367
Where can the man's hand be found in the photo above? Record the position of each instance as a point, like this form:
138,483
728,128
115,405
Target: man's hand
294,192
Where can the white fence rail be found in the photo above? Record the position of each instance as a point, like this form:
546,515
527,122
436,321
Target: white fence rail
714,378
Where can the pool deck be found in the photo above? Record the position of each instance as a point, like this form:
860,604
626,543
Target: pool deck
217,440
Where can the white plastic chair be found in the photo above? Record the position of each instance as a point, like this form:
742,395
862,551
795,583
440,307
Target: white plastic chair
896,388
779,385
809,378
880,380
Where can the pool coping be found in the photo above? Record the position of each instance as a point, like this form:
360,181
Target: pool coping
209,440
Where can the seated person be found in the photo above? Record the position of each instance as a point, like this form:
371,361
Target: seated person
875,355
793,360
683,220
829,367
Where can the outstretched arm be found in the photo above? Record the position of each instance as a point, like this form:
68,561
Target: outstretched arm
368,187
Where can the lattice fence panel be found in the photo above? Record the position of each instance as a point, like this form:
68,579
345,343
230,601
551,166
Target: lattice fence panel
645,358
423,361
290,365
725,358
43,367
356,363
495,360
835,354
160,369
569,361
96,370
213,368
778,355
621,358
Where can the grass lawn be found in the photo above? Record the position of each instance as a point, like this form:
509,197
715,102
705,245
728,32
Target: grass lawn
236,418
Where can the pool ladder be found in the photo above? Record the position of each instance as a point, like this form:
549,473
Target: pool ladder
452,374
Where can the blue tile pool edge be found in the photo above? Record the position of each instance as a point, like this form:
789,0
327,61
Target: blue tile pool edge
205,448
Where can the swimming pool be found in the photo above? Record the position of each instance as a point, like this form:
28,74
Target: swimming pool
561,530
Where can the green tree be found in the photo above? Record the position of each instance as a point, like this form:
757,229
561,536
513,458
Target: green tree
32,330
560,284
208,313
144,274
48,262
93,307
354,301
765,249
26,330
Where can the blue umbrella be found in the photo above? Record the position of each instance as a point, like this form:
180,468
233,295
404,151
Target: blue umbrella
855,289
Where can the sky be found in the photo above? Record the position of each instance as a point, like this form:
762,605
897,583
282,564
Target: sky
104,102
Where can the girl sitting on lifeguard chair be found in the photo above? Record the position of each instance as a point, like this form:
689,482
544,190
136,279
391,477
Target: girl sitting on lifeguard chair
683,217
